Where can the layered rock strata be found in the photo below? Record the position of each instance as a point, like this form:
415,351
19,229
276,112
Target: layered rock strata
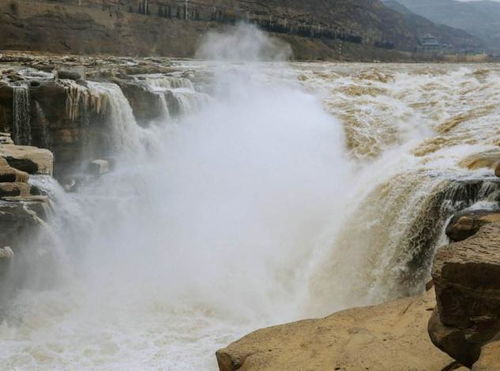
467,281
22,206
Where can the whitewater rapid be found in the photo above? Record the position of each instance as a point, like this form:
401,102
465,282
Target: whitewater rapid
277,191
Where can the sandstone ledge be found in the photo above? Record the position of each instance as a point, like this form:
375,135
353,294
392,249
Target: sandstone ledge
31,160
22,206
390,336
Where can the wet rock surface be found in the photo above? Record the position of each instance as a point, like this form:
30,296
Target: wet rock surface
467,283
23,209
21,204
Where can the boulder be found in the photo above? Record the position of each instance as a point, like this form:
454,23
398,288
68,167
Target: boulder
465,224
466,276
497,169
31,160
489,359
390,336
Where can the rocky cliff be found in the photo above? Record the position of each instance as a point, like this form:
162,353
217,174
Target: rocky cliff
23,208
466,276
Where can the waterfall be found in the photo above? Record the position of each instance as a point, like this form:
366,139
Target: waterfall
253,206
81,100
178,95
21,115
123,135
391,237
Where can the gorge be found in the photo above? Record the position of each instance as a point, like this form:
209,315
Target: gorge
191,201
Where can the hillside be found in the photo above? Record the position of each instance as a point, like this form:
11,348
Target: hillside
377,22
479,18
318,29
458,38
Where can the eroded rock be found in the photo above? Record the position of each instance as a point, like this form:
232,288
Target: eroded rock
9,174
467,281
15,189
22,206
31,160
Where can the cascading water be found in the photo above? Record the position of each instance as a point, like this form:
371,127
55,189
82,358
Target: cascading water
391,237
249,209
177,94
21,115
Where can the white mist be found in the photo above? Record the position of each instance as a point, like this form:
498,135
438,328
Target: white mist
204,236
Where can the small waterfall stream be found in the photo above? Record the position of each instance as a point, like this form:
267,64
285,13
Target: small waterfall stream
123,134
178,95
21,115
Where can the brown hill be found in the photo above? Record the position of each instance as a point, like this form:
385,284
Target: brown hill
324,29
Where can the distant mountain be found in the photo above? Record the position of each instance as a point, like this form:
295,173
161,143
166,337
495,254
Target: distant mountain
457,38
479,18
